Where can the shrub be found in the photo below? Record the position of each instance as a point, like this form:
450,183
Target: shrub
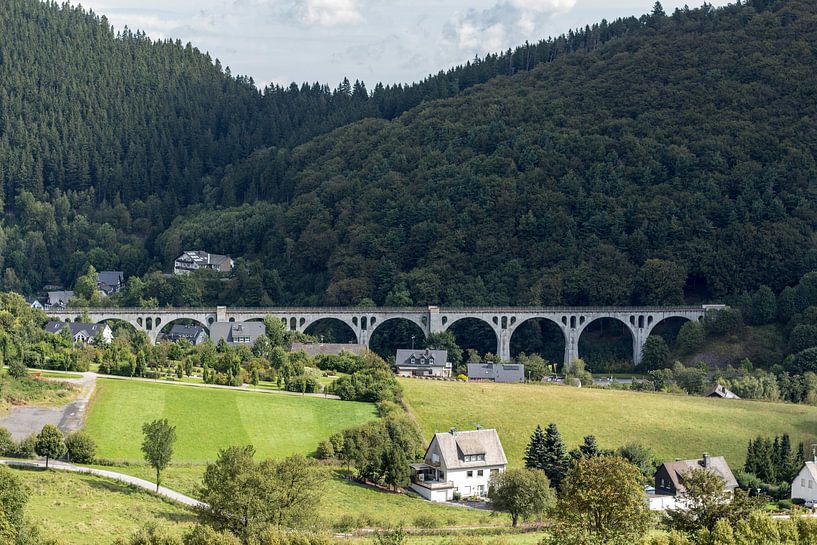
325,451
463,378
7,446
691,337
17,369
25,448
426,521
81,447
725,321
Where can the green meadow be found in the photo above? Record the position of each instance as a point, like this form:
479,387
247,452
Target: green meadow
208,419
673,426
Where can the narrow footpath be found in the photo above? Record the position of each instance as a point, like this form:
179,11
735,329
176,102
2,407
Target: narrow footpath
121,477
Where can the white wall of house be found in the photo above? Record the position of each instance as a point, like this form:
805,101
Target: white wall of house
472,481
804,486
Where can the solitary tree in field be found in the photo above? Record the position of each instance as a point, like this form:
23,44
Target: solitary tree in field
50,443
157,445
521,492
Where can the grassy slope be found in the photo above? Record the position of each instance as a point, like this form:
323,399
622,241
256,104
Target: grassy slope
673,426
209,419
33,392
82,509
341,498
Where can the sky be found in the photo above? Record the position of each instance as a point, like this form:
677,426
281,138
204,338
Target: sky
389,41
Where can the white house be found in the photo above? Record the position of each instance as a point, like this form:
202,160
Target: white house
422,363
669,490
458,461
193,260
804,485
82,333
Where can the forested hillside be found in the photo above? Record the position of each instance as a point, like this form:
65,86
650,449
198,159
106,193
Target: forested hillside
676,162
98,127
649,160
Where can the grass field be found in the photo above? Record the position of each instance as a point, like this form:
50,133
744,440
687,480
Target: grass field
673,426
360,505
207,419
83,509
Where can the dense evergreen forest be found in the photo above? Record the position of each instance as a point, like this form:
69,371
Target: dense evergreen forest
649,160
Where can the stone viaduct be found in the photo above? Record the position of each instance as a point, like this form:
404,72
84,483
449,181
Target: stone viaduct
572,321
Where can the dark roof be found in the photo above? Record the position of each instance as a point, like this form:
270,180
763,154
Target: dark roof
186,330
59,297
314,349
422,357
110,278
716,464
721,391
76,328
230,331
502,372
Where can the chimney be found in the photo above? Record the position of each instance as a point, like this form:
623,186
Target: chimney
453,431
706,460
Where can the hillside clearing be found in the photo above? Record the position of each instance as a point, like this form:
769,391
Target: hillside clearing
210,419
84,509
673,426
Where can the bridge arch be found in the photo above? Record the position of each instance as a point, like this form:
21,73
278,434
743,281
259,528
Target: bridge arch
112,322
168,325
394,333
542,335
474,332
619,338
669,324
332,329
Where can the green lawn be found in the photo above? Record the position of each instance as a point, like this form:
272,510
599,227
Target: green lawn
342,500
54,374
673,426
207,419
83,509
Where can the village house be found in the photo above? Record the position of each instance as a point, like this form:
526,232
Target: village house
193,333
721,392
33,302
82,333
422,363
237,333
194,260
804,485
669,480
497,372
59,299
458,462
110,282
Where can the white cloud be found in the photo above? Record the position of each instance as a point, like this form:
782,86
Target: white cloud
506,24
328,12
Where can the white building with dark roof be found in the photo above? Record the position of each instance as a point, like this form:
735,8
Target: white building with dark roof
237,333
459,461
804,485
59,299
669,480
193,333
422,363
497,372
82,333
110,282
193,260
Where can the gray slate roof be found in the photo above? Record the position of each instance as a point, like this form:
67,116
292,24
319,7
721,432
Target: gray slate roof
500,372
59,297
112,279
76,327
314,349
422,357
454,445
717,464
722,392
231,331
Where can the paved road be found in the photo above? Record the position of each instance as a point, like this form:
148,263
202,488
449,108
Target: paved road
23,421
121,477
220,387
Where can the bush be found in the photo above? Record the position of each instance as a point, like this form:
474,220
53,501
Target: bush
426,521
325,451
304,384
25,448
785,505
17,369
691,337
81,447
722,322
7,446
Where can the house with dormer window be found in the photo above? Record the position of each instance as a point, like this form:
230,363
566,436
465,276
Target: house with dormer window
422,363
460,462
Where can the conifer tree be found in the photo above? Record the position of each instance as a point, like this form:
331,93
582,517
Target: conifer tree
534,453
555,461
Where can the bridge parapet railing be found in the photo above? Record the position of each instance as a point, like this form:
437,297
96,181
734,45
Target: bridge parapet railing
380,310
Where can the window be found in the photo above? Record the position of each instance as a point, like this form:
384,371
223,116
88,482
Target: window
810,483
413,360
431,360
803,483
494,471
479,473
469,474
435,458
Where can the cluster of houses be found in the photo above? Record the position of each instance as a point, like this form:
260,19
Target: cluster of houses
460,464
111,282
434,364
